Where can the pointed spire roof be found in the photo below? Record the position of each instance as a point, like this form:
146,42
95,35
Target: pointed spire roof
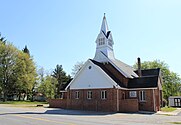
104,27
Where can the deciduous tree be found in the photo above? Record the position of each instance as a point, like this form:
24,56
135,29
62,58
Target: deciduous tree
171,80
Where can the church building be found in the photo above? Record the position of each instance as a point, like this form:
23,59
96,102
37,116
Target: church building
105,83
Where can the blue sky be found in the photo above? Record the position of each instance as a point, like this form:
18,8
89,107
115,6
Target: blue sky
64,32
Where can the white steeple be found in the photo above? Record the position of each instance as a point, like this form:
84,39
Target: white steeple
104,27
104,43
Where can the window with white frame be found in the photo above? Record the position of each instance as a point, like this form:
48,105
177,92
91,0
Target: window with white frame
103,94
89,95
132,94
76,94
142,95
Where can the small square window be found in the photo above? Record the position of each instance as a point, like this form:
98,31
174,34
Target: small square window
132,94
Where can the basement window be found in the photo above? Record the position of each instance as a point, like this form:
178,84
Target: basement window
142,96
89,95
103,94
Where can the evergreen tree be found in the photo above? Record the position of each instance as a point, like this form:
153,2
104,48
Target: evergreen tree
25,50
61,77
2,39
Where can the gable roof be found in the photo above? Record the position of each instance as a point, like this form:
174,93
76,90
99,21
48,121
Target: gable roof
148,80
107,70
123,68
143,82
128,70
98,68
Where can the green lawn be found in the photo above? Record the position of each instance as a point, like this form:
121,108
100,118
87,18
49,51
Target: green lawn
23,102
175,122
168,109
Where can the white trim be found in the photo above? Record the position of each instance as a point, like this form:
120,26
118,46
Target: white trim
77,94
132,94
154,100
103,94
76,75
113,83
89,95
117,100
142,96
63,91
117,67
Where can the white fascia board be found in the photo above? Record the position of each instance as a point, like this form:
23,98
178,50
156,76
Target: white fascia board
99,69
112,81
77,74
63,91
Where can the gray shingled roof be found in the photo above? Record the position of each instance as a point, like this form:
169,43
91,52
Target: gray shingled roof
148,80
126,69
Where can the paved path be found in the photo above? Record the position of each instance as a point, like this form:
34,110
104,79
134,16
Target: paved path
50,116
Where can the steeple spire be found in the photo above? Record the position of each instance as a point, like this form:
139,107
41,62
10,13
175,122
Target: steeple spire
104,26
104,43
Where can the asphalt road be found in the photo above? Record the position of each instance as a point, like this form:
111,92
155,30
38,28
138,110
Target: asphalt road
50,116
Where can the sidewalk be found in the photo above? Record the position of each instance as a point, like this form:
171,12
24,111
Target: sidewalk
176,112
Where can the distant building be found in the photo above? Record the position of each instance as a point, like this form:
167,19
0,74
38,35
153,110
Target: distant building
174,101
105,83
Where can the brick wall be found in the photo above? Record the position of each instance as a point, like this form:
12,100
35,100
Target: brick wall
148,104
57,103
158,99
94,104
128,105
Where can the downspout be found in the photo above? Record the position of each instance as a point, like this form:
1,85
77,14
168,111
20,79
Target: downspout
154,100
117,99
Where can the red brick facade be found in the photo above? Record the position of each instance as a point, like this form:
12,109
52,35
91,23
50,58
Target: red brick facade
117,100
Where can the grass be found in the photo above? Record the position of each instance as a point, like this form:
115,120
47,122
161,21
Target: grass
23,103
175,122
168,109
